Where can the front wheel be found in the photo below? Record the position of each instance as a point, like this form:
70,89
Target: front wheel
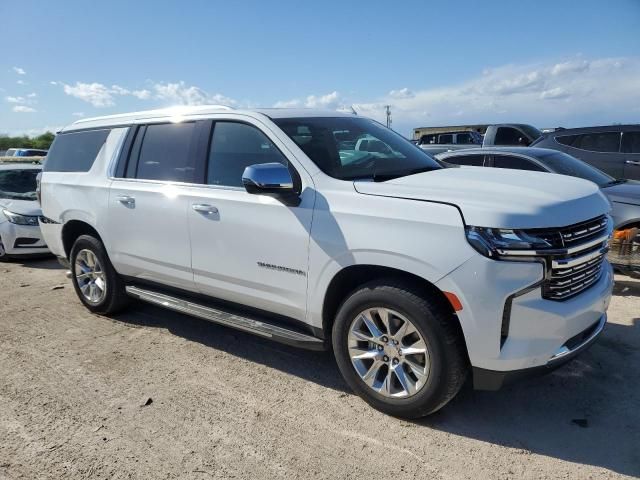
95,281
400,351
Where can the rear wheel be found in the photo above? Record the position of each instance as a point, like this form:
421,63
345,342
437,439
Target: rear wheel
95,281
401,352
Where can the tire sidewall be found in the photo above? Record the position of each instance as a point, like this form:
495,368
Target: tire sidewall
429,396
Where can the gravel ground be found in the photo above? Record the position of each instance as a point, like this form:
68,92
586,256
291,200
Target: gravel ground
154,394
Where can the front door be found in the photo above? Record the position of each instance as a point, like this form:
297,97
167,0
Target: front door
250,249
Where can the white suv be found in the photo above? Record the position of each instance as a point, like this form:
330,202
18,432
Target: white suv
273,222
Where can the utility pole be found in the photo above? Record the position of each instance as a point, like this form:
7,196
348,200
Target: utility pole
388,111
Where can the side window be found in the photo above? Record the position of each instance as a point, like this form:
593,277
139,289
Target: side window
75,152
510,136
165,153
631,142
235,146
445,139
464,138
599,142
467,160
515,163
567,140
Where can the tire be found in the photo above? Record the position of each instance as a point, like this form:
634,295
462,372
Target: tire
443,367
3,253
113,297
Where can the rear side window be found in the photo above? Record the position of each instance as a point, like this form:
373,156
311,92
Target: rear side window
467,160
446,138
606,142
165,153
235,146
515,163
75,152
631,142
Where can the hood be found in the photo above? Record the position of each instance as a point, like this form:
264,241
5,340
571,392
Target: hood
500,198
627,192
22,207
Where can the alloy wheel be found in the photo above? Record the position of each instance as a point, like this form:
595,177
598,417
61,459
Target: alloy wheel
90,276
388,352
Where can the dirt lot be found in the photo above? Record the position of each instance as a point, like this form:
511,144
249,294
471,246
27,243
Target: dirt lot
73,389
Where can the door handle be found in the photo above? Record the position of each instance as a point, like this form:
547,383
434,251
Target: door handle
632,162
126,200
204,208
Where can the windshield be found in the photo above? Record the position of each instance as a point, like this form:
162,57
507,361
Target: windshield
349,148
18,184
565,164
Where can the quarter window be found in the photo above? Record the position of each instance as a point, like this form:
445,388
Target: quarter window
235,146
631,142
165,153
608,142
75,152
516,163
445,139
567,140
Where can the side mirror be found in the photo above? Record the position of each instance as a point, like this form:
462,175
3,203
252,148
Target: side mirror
268,179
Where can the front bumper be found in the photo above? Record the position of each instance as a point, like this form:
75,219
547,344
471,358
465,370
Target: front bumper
484,379
22,239
494,292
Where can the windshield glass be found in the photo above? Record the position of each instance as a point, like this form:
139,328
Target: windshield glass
349,148
531,131
18,184
565,164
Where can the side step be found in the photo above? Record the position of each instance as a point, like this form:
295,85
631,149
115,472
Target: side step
233,320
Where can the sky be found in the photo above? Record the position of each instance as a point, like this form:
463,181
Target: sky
545,62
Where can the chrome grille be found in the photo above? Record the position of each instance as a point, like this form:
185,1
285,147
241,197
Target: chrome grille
579,266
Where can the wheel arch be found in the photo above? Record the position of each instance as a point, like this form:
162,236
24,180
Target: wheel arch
74,229
348,279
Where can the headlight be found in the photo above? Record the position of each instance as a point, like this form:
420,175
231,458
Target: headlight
492,242
20,219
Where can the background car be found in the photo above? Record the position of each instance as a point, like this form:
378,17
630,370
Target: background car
614,149
19,212
623,194
25,152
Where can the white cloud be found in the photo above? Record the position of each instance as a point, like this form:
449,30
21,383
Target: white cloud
21,82
78,114
96,94
182,94
554,94
14,99
142,94
402,93
53,83
23,109
330,101
572,66
19,71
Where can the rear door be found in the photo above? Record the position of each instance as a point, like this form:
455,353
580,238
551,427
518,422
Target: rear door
148,227
600,149
631,151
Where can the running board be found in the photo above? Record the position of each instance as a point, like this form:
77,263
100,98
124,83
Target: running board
228,319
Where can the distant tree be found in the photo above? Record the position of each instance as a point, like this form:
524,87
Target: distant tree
41,141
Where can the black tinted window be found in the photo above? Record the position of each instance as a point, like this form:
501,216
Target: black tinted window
510,136
469,160
516,163
165,153
75,152
446,138
599,142
568,140
18,184
631,142
464,138
234,147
